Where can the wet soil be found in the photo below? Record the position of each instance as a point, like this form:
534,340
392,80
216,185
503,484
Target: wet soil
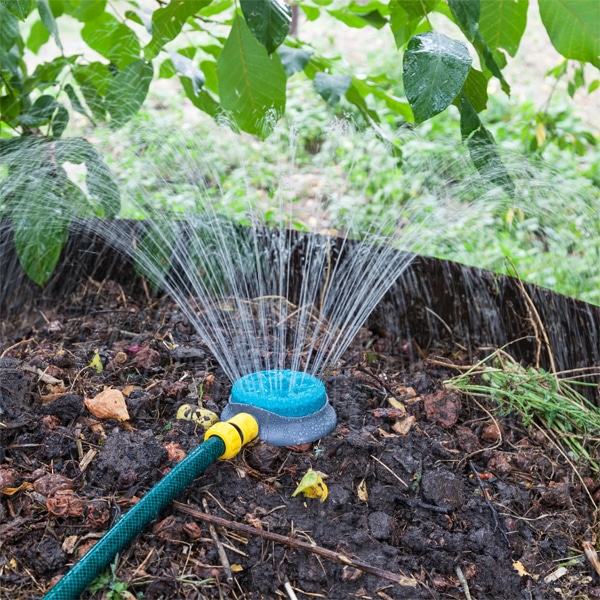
456,499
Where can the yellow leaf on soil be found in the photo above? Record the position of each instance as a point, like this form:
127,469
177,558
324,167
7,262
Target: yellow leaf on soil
362,492
109,404
312,486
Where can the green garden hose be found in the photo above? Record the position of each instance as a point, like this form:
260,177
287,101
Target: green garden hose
223,440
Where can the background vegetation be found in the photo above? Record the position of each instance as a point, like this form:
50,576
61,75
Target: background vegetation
369,106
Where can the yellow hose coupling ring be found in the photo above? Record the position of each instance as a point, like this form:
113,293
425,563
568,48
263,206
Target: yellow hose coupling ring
235,433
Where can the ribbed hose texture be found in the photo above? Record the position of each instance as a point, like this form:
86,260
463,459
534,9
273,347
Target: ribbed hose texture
81,575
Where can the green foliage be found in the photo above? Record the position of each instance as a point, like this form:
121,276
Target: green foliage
237,63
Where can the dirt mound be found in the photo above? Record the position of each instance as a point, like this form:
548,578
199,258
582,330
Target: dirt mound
429,495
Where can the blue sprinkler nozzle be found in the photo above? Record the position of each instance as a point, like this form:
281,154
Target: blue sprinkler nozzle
291,407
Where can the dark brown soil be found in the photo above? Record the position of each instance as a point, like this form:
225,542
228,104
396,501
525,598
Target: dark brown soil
429,495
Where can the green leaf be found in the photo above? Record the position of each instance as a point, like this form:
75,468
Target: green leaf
475,88
40,113
168,21
112,39
48,20
435,69
127,91
76,103
100,183
482,148
466,13
47,74
19,8
102,186
573,27
332,87
38,36
268,20
187,69
85,10
312,12
93,80
415,9
502,23
40,228
358,20
294,59
401,25
251,83
9,28
60,120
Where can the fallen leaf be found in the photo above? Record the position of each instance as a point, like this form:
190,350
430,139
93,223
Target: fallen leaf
591,555
174,451
555,575
64,503
312,486
396,404
96,362
442,407
389,413
68,546
522,571
51,483
362,492
405,425
109,404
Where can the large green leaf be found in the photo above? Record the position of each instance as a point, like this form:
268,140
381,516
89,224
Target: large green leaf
85,10
19,8
502,23
93,80
404,24
251,83
482,148
466,13
435,69
475,89
294,59
40,227
127,91
331,87
100,183
168,21
415,9
268,20
112,39
38,36
48,20
9,28
573,27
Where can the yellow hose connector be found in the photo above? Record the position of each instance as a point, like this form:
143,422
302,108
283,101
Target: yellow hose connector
235,433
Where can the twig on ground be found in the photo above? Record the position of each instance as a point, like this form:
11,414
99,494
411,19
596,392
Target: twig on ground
591,555
15,346
343,559
463,582
222,554
290,590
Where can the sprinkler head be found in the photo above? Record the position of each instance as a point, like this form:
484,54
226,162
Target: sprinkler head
291,407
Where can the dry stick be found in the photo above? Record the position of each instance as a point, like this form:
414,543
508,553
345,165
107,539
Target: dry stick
538,325
463,582
294,543
222,554
14,346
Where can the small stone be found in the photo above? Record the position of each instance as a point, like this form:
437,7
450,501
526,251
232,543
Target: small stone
380,525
